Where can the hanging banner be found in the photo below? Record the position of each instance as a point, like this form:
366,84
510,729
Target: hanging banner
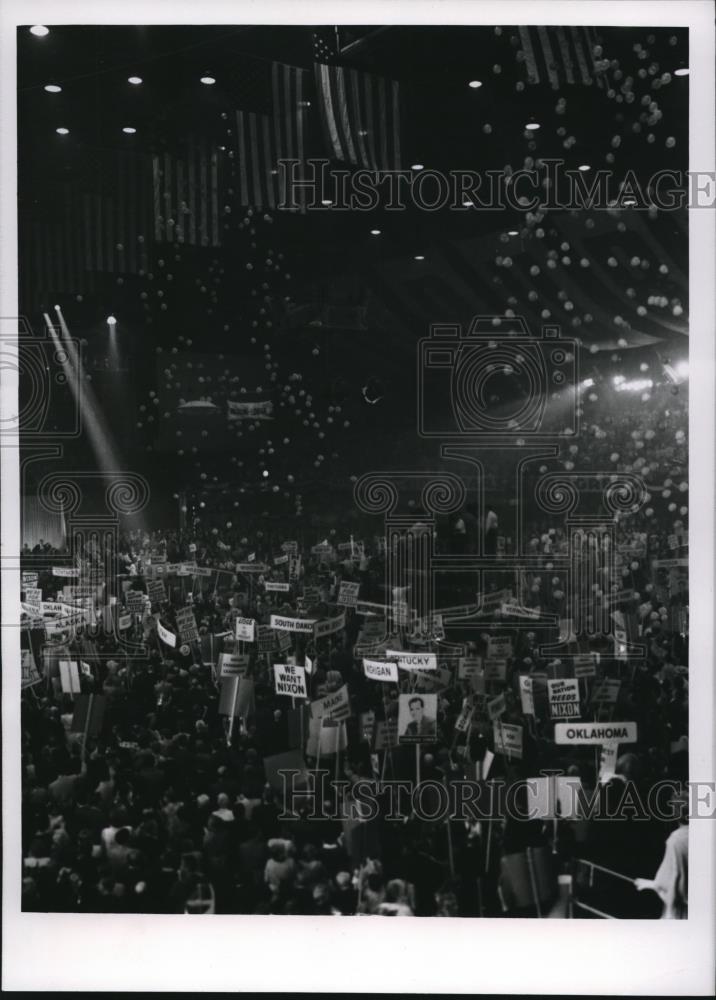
245,629
377,670
281,624
290,680
166,636
330,626
518,611
563,698
594,733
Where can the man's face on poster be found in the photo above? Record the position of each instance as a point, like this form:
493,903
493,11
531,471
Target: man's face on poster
416,709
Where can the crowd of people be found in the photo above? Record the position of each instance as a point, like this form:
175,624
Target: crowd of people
169,801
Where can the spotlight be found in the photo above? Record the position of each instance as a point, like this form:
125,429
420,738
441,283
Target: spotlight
588,383
584,167
375,232
136,80
208,80
417,166
532,126
265,473
62,131
111,321
475,84
128,130
39,30
418,257
52,88
682,72
512,232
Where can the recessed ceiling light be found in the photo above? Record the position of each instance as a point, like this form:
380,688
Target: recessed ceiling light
375,232
682,72
62,131
417,166
136,80
39,30
128,130
418,257
532,126
208,80
475,84
584,166
52,88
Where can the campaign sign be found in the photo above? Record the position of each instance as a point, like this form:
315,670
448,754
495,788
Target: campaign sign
233,664
564,698
348,594
290,680
508,739
245,629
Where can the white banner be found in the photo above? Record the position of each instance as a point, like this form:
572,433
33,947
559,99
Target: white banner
413,661
246,629
594,733
334,706
377,670
564,698
166,636
281,624
330,626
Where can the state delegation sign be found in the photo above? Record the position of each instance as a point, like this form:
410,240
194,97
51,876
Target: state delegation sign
594,733
376,670
413,661
292,624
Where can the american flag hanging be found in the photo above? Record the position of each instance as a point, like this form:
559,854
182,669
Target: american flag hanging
264,139
360,112
561,55
85,234
186,195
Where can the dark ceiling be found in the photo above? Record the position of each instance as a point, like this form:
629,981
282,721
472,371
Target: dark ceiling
615,279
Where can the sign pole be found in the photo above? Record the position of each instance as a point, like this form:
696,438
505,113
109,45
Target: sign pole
87,725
